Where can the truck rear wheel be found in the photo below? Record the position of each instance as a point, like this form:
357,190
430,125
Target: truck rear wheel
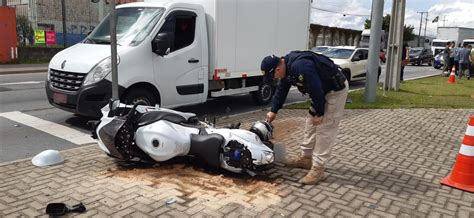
264,94
140,95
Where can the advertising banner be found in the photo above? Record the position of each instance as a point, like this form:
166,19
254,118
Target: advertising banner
50,38
40,37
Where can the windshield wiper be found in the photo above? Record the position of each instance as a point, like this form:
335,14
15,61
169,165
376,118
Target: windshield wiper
103,42
88,40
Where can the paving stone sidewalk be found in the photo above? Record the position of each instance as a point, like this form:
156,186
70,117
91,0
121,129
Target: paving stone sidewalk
386,163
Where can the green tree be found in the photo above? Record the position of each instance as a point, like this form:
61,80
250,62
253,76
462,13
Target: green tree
408,34
24,31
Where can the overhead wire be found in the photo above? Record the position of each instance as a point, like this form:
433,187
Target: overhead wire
337,12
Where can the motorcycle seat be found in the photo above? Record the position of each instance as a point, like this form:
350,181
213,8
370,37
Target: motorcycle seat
153,116
207,147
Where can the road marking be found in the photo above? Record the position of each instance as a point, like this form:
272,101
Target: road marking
60,131
21,83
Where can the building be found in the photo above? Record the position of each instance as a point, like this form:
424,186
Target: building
332,36
81,17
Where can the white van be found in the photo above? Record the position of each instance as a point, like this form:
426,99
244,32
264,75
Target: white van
468,42
438,45
179,52
365,39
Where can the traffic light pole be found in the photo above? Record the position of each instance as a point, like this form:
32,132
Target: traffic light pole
113,49
63,9
374,50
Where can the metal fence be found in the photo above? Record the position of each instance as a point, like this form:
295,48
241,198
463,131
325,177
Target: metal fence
69,20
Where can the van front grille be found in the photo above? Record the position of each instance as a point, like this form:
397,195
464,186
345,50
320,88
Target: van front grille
66,80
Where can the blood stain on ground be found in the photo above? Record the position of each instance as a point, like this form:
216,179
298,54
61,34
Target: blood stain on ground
193,181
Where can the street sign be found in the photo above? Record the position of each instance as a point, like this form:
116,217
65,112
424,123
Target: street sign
40,37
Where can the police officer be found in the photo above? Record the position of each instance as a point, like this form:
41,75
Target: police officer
319,77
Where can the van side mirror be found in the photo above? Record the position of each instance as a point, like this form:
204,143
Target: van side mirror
161,45
114,104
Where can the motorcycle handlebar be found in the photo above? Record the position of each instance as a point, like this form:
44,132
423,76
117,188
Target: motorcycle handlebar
132,111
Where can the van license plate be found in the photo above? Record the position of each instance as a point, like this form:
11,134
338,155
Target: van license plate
59,98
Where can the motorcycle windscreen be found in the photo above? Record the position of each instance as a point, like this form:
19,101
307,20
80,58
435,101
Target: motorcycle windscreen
107,134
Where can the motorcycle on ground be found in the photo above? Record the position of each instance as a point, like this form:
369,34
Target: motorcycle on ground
147,134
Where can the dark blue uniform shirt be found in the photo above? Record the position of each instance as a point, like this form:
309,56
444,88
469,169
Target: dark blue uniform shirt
301,73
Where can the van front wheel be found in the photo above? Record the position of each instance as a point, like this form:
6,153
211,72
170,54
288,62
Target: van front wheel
140,95
264,94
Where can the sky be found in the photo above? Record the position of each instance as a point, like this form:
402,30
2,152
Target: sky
458,13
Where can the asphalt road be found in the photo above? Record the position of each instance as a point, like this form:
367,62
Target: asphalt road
29,124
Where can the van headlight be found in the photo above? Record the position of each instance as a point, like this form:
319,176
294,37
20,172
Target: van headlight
100,71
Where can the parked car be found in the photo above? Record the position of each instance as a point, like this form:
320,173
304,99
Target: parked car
438,60
320,49
352,60
420,55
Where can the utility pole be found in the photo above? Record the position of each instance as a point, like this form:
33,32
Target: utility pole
395,46
374,49
113,49
444,20
63,8
421,23
424,33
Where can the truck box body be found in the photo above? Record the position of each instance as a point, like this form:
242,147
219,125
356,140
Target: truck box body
456,34
242,32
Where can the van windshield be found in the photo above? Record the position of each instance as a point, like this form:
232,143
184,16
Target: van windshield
468,43
133,26
439,44
365,38
415,51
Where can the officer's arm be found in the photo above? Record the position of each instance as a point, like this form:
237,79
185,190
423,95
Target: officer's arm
282,89
313,85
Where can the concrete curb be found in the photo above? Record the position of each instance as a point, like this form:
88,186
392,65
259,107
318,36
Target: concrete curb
22,71
297,102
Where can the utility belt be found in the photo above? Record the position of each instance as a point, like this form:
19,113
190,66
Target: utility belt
338,81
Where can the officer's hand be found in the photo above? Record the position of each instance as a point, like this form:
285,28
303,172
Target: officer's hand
317,120
271,116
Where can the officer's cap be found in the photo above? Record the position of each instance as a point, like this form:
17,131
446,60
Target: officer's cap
269,64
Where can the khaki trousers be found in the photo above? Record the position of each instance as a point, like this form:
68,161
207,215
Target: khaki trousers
319,139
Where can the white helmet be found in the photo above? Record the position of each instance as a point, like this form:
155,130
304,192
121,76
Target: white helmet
47,158
263,129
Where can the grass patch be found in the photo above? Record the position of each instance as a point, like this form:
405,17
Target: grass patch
431,92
